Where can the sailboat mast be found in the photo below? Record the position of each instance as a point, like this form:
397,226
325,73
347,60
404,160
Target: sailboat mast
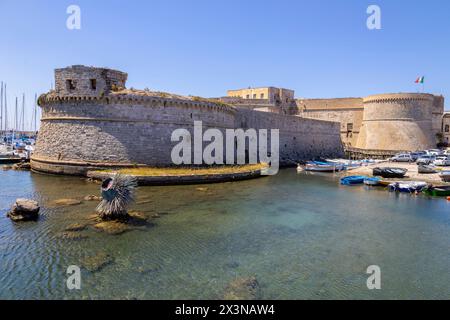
23,114
16,116
6,109
1,109
35,112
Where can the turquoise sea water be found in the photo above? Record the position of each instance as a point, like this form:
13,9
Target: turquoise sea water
302,236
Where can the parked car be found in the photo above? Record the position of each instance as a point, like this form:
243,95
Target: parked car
435,152
403,157
426,159
442,161
416,155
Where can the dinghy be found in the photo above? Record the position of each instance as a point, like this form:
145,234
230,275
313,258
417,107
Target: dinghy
353,180
438,191
316,166
390,172
373,181
408,186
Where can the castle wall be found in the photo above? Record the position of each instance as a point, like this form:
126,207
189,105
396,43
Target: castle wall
446,127
347,111
397,122
81,133
118,132
300,139
438,112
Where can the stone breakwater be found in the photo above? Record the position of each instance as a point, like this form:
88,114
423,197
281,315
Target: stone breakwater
91,121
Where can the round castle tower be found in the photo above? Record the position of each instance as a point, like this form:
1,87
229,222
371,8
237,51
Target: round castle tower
399,122
91,121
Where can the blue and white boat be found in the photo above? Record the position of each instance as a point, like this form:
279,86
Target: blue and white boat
318,166
408,186
372,181
353,180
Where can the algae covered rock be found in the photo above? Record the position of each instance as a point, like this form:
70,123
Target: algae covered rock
97,262
243,289
66,202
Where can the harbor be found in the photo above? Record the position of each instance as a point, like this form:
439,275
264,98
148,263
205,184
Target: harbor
314,242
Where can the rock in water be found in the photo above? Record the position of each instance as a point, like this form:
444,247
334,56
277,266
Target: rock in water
24,210
92,198
66,202
243,289
97,262
112,227
22,166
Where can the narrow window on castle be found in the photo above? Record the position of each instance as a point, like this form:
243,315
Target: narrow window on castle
349,127
447,128
93,84
262,95
248,96
70,85
254,96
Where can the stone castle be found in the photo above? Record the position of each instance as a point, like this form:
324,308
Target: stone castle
91,120
386,122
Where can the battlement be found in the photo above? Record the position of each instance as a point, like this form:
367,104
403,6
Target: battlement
81,80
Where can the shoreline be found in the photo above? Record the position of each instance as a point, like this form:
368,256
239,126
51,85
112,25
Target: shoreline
182,176
411,175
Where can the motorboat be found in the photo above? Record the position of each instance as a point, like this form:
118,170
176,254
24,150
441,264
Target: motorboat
408,186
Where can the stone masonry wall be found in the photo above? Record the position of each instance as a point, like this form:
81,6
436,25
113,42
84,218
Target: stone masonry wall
78,135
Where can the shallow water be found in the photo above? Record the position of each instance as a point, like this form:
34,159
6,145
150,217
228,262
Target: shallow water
302,236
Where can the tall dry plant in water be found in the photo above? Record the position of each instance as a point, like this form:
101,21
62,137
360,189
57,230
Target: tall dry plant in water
117,194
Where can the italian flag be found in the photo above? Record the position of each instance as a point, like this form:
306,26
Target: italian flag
420,80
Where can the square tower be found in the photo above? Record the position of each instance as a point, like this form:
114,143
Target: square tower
88,81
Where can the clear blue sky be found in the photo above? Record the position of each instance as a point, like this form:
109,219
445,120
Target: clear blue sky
204,47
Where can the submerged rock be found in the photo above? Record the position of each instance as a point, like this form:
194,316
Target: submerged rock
97,262
71,235
202,189
66,202
243,289
22,166
76,227
112,227
24,210
7,167
147,269
92,198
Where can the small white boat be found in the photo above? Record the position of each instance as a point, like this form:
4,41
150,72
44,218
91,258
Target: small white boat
372,181
445,176
315,166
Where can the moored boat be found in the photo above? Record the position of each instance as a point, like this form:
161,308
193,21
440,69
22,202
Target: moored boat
353,180
445,176
372,181
390,172
408,186
424,169
316,166
437,191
